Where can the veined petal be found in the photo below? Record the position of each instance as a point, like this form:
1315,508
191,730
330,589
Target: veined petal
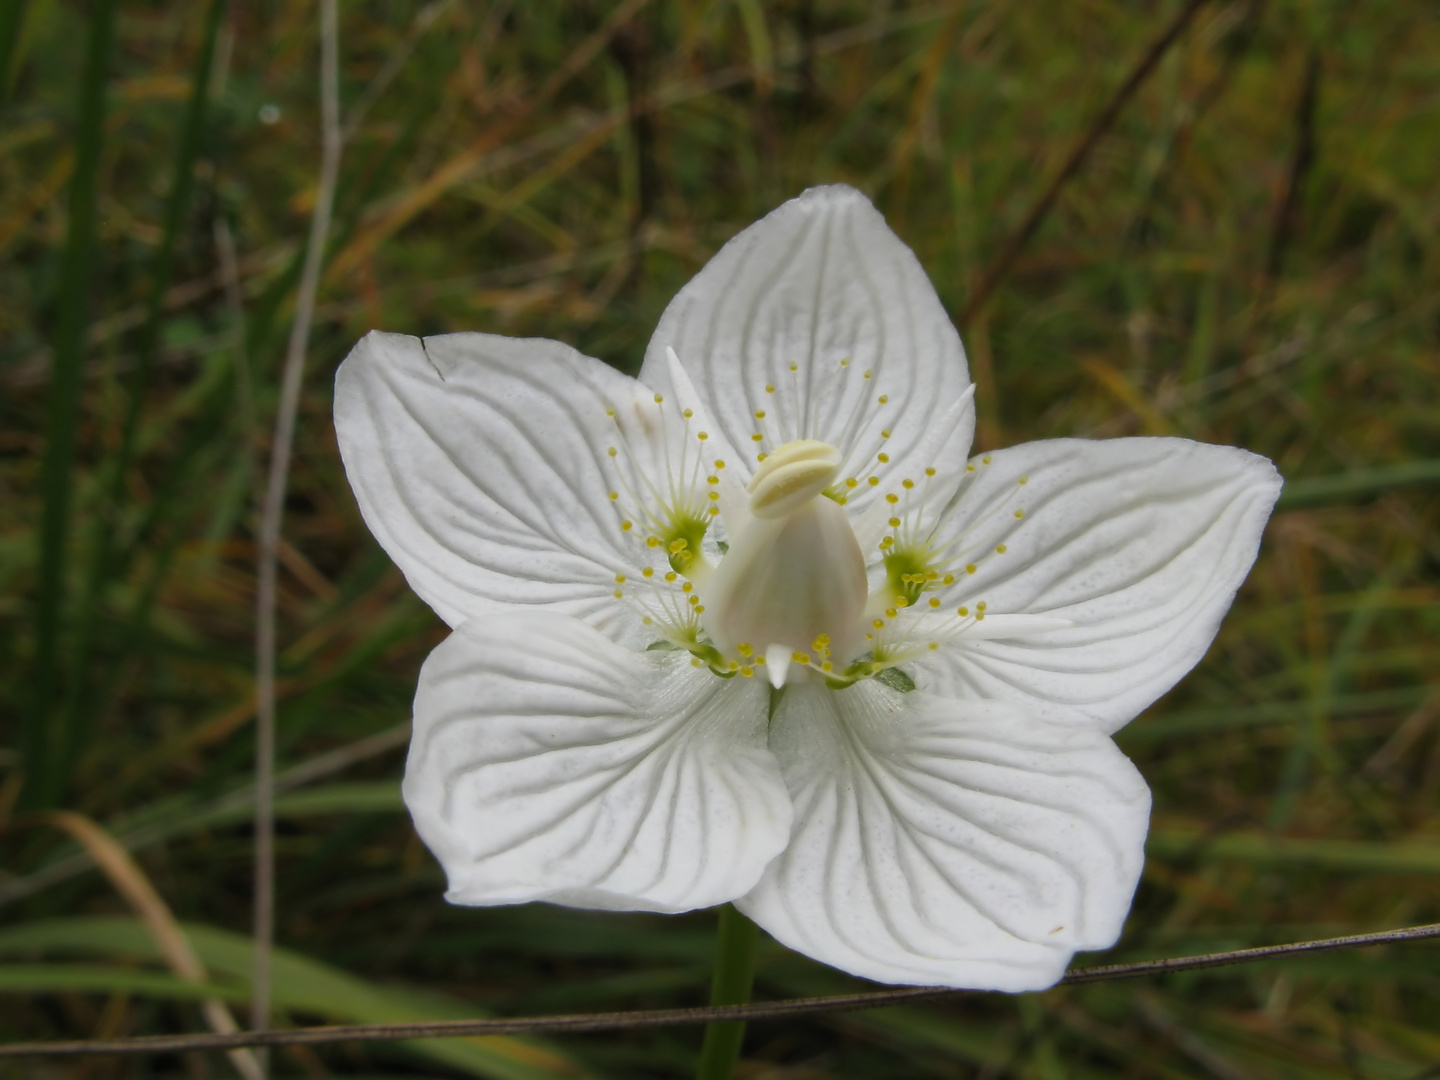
948,843
549,763
1139,543
480,464
822,321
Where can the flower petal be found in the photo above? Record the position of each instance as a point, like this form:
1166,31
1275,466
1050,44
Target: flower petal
948,843
1140,543
823,303
480,465
549,763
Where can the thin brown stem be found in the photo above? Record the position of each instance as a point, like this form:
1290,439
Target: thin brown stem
615,1021
1001,264
272,514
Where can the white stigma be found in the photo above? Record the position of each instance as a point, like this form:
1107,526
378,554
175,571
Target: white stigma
794,575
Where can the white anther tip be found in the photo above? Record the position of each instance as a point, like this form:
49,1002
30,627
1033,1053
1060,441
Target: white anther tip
777,663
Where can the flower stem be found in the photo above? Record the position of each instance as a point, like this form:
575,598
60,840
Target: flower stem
735,943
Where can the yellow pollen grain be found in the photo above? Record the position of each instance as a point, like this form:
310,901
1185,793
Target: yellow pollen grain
892,498
895,524
719,464
852,482
969,568
874,481
930,470
907,484
747,671
687,414
882,458
712,511
614,495
769,388
702,435
759,414
611,451
884,399
670,575
648,572
962,611
934,601
757,437
712,480
619,579
1000,549
885,433
948,579
659,398
619,594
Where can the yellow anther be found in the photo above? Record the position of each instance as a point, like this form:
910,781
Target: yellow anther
652,541
969,468
715,495
678,545
712,511
878,624
827,666
744,648
822,642
699,609
1023,480
800,657
689,586
646,620
769,388
794,366
760,457
900,601
934,645
610,413
696,663
948,579
891,613
867,373
885,434
694,600
985,460
980,606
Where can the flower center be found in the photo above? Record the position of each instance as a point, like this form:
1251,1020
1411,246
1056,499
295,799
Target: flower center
793,580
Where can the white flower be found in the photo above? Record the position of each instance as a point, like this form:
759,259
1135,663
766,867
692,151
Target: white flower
755,628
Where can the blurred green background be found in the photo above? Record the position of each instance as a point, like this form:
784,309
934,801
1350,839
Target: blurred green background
1251,255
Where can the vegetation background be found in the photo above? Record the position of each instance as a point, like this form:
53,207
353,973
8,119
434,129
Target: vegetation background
1249,255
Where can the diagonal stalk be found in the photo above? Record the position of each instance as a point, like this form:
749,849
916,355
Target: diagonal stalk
735,943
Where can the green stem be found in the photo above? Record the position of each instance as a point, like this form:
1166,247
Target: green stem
735,943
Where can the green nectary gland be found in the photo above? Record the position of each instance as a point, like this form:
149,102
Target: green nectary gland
682,541
903,564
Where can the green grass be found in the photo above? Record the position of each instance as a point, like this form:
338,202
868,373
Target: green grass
1296,771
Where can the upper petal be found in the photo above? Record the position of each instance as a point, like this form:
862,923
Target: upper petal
822,320
480,464
549,763
948,843
1139,543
